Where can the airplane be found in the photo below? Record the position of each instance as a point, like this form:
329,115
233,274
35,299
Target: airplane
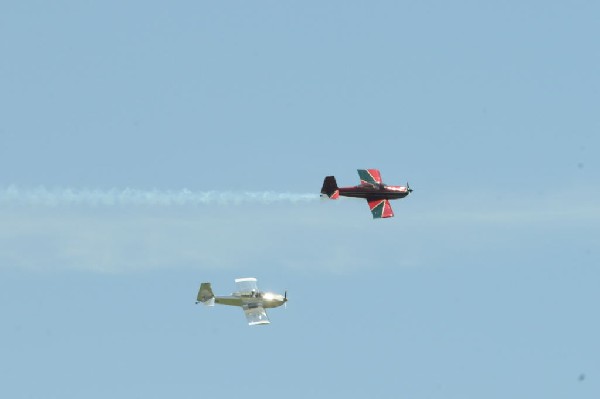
247,296
371,188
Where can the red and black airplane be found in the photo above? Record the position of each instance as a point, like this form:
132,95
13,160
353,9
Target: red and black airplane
371,188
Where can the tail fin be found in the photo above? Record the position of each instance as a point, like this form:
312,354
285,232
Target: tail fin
330,188
205,295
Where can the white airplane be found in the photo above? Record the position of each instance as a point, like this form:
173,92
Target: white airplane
247,296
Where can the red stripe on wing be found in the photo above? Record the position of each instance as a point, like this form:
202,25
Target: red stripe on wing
381,209
376,175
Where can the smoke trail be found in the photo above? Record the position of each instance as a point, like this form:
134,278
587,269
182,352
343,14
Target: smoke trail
42,196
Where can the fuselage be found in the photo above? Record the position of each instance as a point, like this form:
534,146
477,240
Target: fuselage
264,299
374,192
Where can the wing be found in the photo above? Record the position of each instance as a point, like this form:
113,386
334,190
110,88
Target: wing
256,315
246,285
369,176
381,208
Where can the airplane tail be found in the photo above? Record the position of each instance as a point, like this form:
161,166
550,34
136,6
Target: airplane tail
205,295
330,188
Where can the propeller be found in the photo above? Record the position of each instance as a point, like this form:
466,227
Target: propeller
408,188
285,299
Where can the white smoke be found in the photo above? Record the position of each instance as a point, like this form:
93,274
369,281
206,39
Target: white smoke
42,196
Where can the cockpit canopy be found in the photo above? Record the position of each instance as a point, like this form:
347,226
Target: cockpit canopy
246,287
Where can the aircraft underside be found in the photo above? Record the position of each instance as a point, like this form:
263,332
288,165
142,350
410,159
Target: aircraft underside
370,194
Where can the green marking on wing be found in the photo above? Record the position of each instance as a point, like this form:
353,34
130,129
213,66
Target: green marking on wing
377,210
366,176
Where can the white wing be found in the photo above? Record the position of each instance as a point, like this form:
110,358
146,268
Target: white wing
256,315
246,285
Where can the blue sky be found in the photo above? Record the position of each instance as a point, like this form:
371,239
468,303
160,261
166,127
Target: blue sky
483,285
